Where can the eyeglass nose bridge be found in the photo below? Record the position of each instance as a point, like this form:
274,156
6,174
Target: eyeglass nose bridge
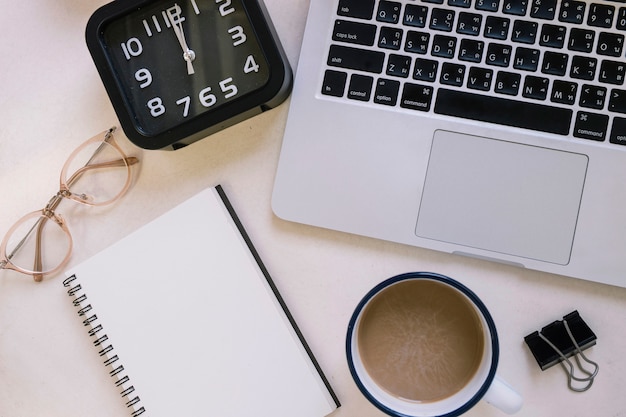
54,201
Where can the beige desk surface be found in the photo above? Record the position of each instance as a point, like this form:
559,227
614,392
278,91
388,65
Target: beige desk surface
51,99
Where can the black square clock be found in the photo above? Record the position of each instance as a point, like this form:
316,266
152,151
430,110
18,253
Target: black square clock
178,71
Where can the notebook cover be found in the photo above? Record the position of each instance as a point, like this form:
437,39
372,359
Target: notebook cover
188,321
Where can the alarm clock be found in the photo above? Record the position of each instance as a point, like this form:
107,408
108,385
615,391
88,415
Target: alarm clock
177,71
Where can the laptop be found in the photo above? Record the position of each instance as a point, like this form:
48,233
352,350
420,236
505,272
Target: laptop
494,129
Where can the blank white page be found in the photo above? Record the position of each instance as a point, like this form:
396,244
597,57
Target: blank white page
195,322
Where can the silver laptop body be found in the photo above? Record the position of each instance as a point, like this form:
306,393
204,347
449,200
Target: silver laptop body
493,129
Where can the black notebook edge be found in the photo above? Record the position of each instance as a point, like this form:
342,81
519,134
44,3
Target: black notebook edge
282,303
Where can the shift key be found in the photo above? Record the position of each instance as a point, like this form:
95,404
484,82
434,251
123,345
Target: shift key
356,59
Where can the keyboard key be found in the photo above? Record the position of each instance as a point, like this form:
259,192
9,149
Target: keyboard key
535,87
388,11
441,19
354,32
334,83
399,66
507,83
452,74
417,42
415,15
524,31
498,55
621,19
425,70
563,92
356,59
503,111
443,46
497,27
552,36
601,15
572,11
360,9
487,5
618,131
592,97
526,59
471,50
460,3
617,102
479,79
543,9
469,24
581,40
591,126
386,92
360,87
554,63
612,72
417,97
583,68
390,38
516,7
610,44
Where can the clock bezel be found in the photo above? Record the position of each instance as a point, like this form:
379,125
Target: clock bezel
273,93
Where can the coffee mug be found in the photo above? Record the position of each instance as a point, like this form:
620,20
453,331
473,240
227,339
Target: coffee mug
422,344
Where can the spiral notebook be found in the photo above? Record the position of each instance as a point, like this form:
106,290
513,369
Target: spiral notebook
188,322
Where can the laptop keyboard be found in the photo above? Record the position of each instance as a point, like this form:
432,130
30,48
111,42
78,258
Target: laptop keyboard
555,66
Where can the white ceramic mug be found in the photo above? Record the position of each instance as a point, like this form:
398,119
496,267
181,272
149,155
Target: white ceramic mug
482,385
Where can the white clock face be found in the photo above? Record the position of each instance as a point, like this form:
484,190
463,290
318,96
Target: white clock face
176,60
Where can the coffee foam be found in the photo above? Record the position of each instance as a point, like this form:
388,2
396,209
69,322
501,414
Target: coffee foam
420,340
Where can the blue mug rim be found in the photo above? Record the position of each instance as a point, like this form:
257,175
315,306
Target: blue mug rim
447,280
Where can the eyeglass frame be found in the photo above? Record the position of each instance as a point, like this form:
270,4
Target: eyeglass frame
48,212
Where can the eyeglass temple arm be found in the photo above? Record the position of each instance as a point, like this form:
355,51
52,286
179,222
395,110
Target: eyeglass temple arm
38,263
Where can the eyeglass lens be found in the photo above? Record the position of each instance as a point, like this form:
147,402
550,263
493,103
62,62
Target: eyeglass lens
38,243
96,173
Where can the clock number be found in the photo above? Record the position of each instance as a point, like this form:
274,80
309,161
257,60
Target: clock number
132,47
186,101
229,90
174,15
237,34
250,65
207,99
156,107
224,9
144,77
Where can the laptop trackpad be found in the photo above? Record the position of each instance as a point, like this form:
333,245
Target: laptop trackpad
503,197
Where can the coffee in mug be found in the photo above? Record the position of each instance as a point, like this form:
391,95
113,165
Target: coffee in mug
422,344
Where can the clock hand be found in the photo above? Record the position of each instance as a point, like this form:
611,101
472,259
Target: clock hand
188,54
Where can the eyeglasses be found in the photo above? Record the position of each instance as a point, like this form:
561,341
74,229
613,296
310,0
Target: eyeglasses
97,173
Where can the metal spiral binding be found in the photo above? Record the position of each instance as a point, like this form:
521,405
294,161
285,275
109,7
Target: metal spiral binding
106,349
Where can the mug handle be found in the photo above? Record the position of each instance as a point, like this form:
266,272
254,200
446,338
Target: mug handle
502,396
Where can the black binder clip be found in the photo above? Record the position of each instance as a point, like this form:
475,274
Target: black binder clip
559,341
